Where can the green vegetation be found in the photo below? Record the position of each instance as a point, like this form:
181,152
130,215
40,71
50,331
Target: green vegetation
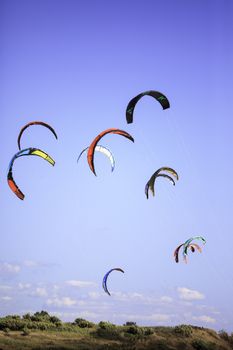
183,330
80,322
42,331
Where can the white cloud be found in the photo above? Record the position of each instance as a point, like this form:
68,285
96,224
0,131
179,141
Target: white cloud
24,285
95,295
204,318
60,302
133,297
69,316
80,284
156,317
37,264
40,292
189,294
208,309
6,298
9,268
88,315
144,299
129,297
166,299
30,263
55,287
5,287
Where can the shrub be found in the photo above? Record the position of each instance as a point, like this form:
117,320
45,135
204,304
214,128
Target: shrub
14,324
223,335
108,330
54,320
40,316
231,339
106,325
6,331
80,322
25,331
200,344
148,331
135,330
13,317
161,344
212,333
183,330
27,317
40,320
43,326
130,323
182,344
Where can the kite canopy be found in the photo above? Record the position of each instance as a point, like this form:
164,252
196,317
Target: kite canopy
188,242
191,246
91,149
162,99
104,284
194,247
151,182
25,152
103,150
35,123
176,253
188,245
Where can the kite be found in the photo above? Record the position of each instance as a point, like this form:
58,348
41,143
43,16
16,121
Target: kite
187,243
195,246
192,246
92,147
104,284
35,123
162,99
176,253
25,152
103,150
151,182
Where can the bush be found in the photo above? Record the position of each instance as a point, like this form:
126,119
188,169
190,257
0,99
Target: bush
40,316
231,339
43,326
183,330
223,335
42,322
27,317
14,324
80,322
135,330
13,317
6,331
182,344
55,320
161,344
25,331
130,323
108,330
200,344
212,333
148,331
106,325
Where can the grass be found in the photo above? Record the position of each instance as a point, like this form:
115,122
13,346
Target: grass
41,331
162,338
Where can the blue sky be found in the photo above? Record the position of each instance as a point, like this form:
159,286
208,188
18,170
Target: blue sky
76,65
